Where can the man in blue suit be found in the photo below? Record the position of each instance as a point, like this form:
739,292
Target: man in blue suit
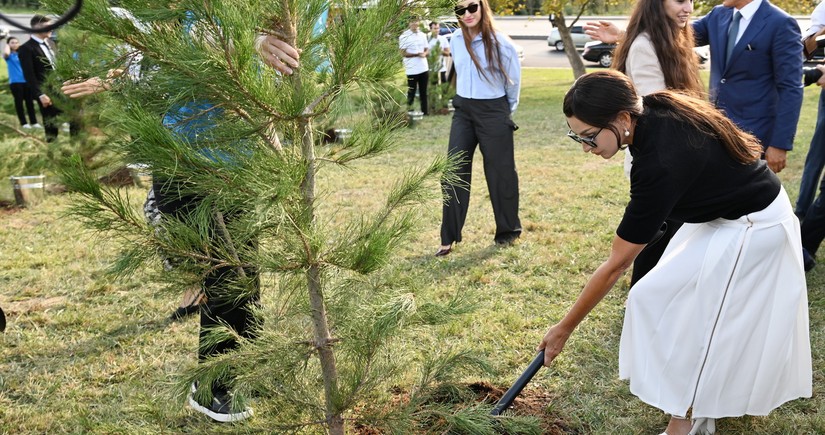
757,81
757,77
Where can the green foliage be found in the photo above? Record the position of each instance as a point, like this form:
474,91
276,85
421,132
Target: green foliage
438,94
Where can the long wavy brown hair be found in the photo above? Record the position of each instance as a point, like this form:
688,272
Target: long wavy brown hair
673,45
488,37
600,97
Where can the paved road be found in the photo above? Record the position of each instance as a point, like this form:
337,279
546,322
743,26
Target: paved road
538,54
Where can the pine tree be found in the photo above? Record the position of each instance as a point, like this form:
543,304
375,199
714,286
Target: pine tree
322,356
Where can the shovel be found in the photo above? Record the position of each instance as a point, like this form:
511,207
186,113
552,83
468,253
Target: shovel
511,394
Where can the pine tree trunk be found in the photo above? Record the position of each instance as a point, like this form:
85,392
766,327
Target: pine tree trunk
285,29
323,339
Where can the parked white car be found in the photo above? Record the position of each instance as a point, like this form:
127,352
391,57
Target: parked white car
576,32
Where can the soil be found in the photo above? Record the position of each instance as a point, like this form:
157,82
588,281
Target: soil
119,177
531,402
8,207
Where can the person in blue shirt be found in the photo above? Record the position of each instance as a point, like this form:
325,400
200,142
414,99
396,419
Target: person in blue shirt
177,198
19,89
488,79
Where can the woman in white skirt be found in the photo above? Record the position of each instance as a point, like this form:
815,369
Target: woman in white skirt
719,328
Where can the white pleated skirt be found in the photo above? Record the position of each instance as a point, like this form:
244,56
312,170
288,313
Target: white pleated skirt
721,323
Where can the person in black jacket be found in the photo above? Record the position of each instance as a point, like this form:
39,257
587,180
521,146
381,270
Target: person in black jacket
37,58
719,327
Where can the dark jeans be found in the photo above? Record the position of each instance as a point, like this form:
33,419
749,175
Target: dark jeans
814,163
486,124
420,81
221,307
22,97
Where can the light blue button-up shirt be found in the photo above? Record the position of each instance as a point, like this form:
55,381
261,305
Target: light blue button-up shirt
471,84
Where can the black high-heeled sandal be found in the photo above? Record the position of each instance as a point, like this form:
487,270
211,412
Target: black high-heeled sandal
443,251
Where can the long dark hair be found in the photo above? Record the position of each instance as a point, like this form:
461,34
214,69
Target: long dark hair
673,45
600,97
488,38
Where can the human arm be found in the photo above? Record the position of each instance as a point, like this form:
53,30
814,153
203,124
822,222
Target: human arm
277,54
643,68
787,68
817,28
445,45
604,31
512,66
701,26
77,89
621,258
6,50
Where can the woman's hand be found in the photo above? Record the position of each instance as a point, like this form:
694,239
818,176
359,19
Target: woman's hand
74,89
553,342
277,54
604,31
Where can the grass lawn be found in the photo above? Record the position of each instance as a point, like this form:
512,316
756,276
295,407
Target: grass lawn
86,354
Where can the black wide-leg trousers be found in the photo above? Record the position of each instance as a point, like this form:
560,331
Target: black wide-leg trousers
485,123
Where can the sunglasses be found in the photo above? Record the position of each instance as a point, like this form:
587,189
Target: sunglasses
472,8
590,141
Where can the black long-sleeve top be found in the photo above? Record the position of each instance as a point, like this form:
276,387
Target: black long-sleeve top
683,174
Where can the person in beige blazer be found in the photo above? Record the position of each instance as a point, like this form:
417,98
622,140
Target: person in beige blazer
656,53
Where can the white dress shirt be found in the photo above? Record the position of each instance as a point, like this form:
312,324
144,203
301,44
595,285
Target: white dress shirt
747,16
469,81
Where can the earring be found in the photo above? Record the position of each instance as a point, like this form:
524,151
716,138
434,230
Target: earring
626,132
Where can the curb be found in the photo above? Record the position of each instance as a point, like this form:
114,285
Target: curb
531,37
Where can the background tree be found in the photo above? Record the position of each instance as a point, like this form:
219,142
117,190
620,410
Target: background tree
557,7
793,7
326,352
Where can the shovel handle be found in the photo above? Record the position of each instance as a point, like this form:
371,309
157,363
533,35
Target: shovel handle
511,394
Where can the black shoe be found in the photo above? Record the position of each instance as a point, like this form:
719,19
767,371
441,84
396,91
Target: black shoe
443,251
507,240
221,408
182,312
808,260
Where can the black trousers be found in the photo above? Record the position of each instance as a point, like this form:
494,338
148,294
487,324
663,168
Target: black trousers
50,125
23,98
220,307
651,254
419,81
485,123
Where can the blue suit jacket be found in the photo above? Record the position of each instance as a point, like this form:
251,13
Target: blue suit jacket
760,89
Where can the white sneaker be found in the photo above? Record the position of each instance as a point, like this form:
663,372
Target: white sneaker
37,125
27,126
65,127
